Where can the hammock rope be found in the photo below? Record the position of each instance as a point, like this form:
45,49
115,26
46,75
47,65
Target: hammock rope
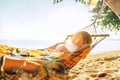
96,32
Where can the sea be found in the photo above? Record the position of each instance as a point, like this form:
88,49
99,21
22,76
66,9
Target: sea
103,46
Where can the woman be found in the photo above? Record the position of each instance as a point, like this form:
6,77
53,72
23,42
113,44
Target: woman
75,43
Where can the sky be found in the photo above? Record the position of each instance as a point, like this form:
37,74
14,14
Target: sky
41,19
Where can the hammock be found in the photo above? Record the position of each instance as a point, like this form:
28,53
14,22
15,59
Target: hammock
28,64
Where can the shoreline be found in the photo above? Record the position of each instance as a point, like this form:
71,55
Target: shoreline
105,53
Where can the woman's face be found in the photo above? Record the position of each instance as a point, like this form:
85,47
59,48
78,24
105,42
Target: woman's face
77,40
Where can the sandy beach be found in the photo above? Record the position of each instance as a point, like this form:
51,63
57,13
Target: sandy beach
102,66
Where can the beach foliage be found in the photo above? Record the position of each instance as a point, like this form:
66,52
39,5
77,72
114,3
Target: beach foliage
107,19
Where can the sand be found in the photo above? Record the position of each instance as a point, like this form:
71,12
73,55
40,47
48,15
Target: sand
103,66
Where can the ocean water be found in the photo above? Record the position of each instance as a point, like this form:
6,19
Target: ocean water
103,46
107,45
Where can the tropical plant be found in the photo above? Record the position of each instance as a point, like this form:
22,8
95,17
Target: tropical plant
107,19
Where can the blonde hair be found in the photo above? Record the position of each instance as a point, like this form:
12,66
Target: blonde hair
85,36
